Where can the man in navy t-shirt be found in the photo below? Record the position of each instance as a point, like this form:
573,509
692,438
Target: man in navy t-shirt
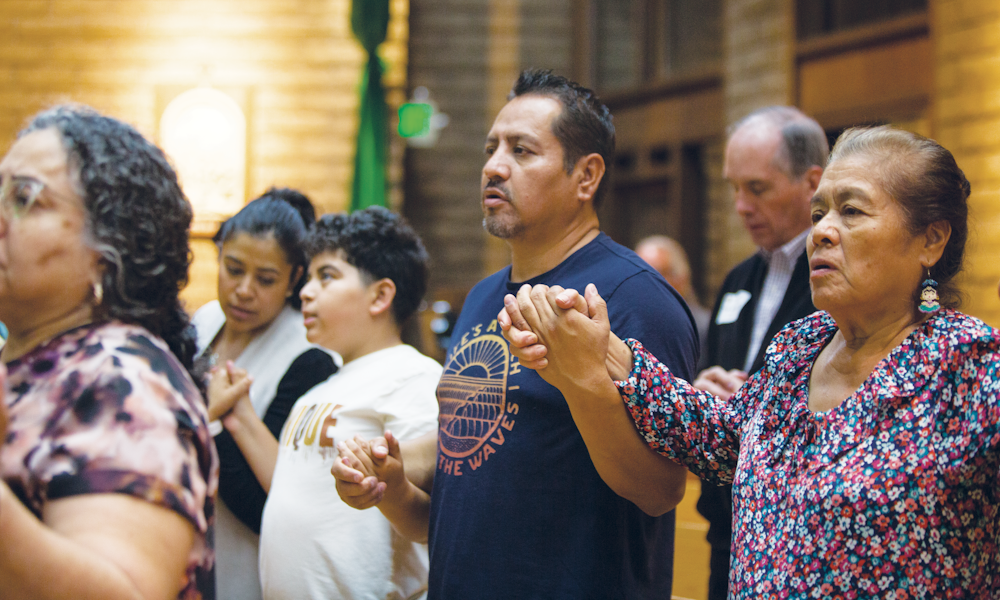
519,508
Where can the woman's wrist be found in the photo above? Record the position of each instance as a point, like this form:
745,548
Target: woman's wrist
620,359
238,417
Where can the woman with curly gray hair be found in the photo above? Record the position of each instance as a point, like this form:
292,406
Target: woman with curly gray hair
108,470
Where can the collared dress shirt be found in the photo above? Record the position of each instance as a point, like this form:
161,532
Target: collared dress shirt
780,265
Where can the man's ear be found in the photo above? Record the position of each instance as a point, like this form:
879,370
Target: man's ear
590,171
936,237
383,292
812,176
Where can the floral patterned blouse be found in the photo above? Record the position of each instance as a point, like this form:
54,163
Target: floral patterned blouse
109,409
893,494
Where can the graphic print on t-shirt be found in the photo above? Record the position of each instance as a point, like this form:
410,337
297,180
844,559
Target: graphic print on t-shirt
472,398
311,425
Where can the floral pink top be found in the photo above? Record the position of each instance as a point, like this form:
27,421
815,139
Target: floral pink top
109,409
893,494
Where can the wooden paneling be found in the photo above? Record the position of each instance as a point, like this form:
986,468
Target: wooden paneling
688,117
884,83
292,65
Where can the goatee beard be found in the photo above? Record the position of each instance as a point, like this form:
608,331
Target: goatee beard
499,228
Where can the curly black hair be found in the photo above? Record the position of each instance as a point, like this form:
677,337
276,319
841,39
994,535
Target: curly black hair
284,213
138,221
380,244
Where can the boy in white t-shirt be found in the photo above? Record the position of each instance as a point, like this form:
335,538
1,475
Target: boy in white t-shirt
367,275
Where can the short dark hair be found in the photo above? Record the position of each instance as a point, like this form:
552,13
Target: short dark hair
924,179
381,245
803,141
585,125
137,218
286,214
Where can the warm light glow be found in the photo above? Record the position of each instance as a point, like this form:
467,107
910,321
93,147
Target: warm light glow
204,132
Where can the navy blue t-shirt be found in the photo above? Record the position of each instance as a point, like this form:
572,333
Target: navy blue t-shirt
518,510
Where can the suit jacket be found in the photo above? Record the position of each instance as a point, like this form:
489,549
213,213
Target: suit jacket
727,347
727,344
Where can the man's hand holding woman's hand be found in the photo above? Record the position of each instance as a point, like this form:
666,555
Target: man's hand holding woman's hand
563,335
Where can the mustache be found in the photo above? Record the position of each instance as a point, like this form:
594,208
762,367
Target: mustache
497,184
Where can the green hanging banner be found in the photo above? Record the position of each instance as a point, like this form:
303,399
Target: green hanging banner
370,22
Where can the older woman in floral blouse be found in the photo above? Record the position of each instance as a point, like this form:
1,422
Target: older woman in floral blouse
865,454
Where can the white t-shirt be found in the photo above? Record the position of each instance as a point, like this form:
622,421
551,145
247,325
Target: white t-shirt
312,544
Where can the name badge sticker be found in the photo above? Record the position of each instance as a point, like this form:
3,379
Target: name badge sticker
732,305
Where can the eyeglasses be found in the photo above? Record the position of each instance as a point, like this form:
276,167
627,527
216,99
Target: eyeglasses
17,195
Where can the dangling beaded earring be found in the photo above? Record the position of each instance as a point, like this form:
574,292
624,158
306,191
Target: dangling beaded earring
929,296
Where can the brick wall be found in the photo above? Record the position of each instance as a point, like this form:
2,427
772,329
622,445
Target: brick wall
448,49
967,122
292,65
758,43
468,53
758,46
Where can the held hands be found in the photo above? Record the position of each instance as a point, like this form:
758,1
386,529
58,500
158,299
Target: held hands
720,382
564,336
227,386
366,470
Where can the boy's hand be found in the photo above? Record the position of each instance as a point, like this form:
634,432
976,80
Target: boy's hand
357,484
367,470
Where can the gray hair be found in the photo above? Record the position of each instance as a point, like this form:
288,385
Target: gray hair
138,220
803,141
922,177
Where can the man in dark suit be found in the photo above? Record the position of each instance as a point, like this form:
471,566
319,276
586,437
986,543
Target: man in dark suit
774,160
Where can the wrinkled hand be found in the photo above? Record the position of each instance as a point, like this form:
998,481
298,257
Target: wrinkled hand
720,382
226,386
366,470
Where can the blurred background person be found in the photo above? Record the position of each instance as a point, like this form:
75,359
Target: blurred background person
108,467
668,257
256,325
773,161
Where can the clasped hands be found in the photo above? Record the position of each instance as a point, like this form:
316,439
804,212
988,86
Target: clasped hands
364,469
564,336
228,386
543,323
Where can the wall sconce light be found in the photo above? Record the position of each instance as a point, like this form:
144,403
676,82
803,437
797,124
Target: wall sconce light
203,131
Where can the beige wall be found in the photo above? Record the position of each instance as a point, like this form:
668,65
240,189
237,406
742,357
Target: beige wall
293,66
967,121
758,47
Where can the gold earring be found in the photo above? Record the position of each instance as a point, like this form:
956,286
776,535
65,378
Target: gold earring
98,293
